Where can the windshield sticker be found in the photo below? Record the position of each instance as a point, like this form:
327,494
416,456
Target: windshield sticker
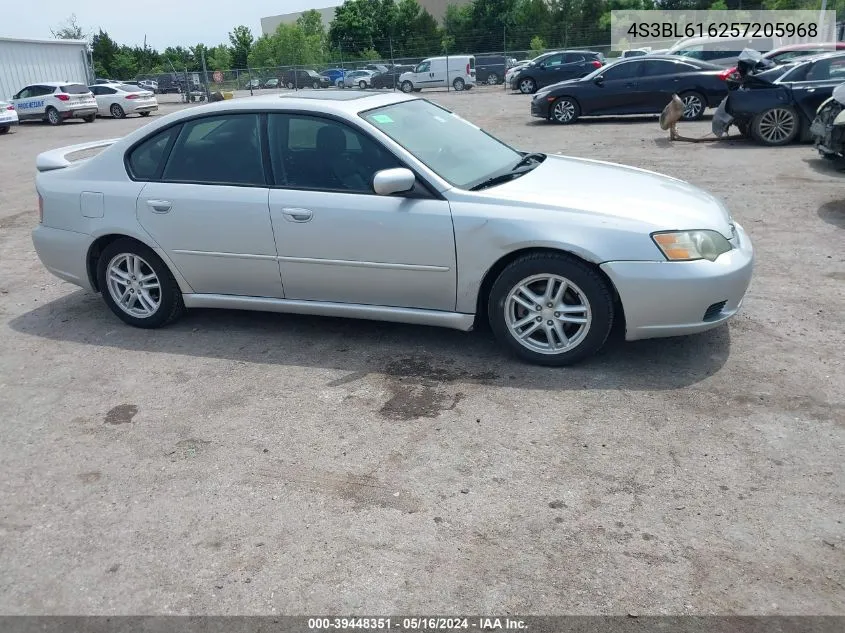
381,118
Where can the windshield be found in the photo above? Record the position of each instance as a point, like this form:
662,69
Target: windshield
455,149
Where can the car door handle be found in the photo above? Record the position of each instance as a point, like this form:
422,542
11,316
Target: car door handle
297,215
811,90
159,206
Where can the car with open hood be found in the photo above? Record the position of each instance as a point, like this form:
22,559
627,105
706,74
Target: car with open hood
381,205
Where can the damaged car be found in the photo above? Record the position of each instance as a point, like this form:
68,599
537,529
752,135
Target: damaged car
828,128
776,106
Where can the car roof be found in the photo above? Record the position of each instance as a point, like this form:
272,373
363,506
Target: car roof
814,58
834,46
340,101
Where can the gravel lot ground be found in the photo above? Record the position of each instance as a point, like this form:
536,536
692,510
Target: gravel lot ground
259,463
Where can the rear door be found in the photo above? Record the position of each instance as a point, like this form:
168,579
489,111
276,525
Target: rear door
208,206
659,80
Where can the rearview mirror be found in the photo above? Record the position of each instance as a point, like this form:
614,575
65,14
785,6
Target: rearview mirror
390,181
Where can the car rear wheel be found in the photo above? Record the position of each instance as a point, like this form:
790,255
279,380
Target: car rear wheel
90,118
564,110
4,129
137,286
694,106
362,84
116,111
551,309
458,84
527,86
144,113
289,85
776,126
53,116
492,79
407,86
315,85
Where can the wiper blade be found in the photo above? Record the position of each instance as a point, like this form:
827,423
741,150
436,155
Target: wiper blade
500,178
536,156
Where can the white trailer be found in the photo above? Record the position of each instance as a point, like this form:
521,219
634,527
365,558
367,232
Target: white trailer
24,62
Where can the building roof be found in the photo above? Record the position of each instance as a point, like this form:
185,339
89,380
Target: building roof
49,41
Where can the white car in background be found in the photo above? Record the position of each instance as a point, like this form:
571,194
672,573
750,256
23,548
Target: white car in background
149,84
8,116
359,78
55,101
118,100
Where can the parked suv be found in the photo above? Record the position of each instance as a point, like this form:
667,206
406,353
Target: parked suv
55,101
551,68
490,69
305,79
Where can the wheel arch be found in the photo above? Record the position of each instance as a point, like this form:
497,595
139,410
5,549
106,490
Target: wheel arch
571,97
101,242
503,262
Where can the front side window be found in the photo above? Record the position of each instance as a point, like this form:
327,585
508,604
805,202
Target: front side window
627,70
24,94
217,150
455,149
314,153
553,60
423,67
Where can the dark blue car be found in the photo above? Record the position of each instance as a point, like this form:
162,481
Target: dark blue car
334,75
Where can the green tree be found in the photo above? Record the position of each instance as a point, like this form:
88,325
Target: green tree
262,53
311,23
241,40
219,58
103,51
538,46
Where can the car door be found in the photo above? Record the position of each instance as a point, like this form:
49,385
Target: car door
616,91
816,83
546,71
337,240
572,67
207,207
105,97
424,75
659,80
30,102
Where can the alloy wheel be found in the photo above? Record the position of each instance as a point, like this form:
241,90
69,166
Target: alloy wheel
492,79
526,86
547,314
692,106
133,285
776,125
563,111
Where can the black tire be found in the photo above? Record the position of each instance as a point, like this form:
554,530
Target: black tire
407,86
592,289
90,118
492,79
459,84
4,129
144,113
763,132
527,86
362,85
561,108
316,85
170,306
744,129
289,85
116,111
695,103
417,89
53,116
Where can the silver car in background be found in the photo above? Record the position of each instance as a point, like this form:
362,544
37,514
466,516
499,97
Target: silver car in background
357,79
385,206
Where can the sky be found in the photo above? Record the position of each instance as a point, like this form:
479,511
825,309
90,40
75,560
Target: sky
164,22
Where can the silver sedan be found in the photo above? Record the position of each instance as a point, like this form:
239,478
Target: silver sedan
387,207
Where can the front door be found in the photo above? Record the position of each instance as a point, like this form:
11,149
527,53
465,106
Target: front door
208,210
337,240
617,90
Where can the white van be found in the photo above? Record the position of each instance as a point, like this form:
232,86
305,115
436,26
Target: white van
721,51
457,71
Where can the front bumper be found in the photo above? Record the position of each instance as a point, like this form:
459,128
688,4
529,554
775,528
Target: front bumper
63,253
540,108
677,298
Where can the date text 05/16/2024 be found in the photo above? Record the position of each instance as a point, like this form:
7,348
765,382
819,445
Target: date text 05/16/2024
417,623
672,30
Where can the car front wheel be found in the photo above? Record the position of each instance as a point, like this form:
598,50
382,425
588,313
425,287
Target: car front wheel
407,86
551,309
776,126
137,286
527,86
564,111
53,116
492,79
362,84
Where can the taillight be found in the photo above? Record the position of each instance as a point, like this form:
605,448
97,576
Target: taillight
132,96
10,107
40,209
467,69
727,74
596,63
62,97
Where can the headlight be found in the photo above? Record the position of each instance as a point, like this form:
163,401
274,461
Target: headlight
541,95
684,246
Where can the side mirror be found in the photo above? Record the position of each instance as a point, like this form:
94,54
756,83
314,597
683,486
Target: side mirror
390,181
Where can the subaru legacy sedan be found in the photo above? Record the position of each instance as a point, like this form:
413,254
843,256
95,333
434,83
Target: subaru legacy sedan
386,207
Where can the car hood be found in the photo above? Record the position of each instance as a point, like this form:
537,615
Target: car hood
625,193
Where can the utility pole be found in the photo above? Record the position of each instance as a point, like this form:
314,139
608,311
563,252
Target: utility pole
392,63
205,76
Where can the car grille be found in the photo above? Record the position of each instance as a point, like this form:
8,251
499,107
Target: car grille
713,312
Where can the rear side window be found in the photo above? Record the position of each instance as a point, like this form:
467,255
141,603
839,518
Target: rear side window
75,89
147,160
219,150
128,88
